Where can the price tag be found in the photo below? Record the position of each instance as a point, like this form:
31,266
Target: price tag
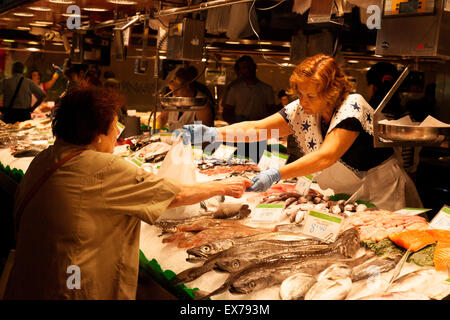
268,213
303,184
265,161
442,219
197,152
136,161
324,226
167,137
224,152
412,211
121,127
279,159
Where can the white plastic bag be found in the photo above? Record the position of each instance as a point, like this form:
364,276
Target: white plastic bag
179,165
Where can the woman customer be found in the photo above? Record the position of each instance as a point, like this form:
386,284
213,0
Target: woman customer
86,216
334,131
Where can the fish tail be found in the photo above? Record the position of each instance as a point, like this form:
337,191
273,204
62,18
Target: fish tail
191,274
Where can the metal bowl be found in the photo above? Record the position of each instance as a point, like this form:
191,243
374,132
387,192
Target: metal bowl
412,133
183,102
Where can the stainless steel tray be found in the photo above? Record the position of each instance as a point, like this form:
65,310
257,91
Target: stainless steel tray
412,133
182,102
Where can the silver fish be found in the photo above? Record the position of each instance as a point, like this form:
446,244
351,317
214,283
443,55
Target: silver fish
211,248
334,283
266,274
375,265
416,280
239,257
328,289
335,271
251,251
296,286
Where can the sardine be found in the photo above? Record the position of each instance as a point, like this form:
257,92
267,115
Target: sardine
375,265
296,286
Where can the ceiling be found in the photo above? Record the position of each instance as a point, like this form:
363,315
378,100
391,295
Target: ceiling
41,23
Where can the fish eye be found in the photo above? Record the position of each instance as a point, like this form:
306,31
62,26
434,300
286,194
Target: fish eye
235,264
206,248
252,284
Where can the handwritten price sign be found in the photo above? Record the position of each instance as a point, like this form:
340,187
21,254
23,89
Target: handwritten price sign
321,225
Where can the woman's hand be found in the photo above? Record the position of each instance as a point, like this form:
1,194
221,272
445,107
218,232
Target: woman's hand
235,187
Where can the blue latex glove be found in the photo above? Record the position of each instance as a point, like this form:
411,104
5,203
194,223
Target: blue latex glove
198,133
265,179
58,70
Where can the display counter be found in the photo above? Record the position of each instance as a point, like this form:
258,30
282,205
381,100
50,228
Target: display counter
163,260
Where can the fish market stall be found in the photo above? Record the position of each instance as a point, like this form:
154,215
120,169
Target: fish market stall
279,244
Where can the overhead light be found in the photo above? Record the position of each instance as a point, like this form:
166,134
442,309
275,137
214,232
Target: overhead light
23,28
32,49
23,14
377,55
45,23
8,40
124,2
232,42
40,25
62,1
58,43
45,9
286,58
265,42
162,57
353,61
95,9
33,42
264,50
69,15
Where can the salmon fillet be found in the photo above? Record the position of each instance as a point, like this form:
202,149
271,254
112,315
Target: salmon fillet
412,240
441,258
440,235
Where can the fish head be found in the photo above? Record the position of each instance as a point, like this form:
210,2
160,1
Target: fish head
248,284
202,251
348,242
231,264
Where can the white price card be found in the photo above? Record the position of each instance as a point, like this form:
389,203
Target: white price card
121,127
224,152
266,161
324,226
167,137
279,159
442,219
412,211
303,184
197,152
136,161
268,213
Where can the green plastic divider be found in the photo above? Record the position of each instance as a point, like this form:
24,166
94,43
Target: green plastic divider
15,174
153,269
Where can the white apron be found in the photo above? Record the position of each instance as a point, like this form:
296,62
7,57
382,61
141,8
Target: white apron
387,185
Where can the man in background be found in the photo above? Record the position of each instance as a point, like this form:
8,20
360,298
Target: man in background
17,92
247,97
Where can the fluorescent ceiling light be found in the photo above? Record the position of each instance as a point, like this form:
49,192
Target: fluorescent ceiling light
23,14
46,9
95,9
8,40
33,42
265,42
23,28
232,42
62,1
68,15
33,49
353,61
124,2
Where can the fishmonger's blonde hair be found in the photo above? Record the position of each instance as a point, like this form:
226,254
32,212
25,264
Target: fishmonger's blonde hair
333,86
